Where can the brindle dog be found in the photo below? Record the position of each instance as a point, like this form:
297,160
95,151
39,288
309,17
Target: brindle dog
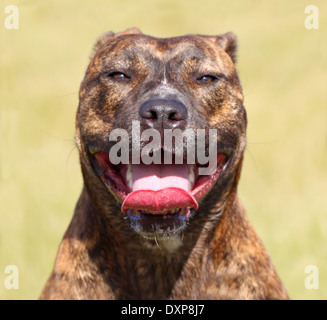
160,239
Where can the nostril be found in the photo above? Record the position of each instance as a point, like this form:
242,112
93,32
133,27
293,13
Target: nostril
153,115
178,112
174,116
148,113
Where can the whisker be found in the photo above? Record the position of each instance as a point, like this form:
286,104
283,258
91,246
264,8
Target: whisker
155,239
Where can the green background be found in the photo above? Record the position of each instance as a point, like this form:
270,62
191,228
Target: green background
282,66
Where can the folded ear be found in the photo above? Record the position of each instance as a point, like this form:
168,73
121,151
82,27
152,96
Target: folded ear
228,42
108,36
104,38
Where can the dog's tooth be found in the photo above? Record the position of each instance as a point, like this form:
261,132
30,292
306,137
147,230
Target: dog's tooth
191,176
93,150
129,172
129,176
191,173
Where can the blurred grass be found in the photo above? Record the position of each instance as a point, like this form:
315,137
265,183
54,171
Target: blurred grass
282,66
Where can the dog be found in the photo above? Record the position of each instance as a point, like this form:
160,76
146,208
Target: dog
145,230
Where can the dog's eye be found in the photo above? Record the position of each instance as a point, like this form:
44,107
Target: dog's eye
116,75
207,78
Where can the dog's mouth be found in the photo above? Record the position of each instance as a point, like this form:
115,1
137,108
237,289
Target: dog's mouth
158,199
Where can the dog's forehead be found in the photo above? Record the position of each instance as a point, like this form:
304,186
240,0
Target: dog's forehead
164,49
171,47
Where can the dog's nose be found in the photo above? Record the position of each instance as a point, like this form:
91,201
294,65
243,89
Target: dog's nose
163,114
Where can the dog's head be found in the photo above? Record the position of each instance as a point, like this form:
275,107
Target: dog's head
161,127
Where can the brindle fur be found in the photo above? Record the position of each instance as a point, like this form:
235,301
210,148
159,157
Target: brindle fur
219,255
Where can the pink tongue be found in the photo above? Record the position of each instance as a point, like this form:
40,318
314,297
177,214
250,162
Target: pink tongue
159,189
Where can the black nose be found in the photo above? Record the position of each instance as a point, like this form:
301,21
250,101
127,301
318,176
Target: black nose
163,114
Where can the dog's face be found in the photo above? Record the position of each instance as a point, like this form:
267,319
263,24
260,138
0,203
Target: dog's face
136,92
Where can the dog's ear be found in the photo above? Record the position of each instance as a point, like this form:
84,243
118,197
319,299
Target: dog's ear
129,31
108,36
104,38
228,42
